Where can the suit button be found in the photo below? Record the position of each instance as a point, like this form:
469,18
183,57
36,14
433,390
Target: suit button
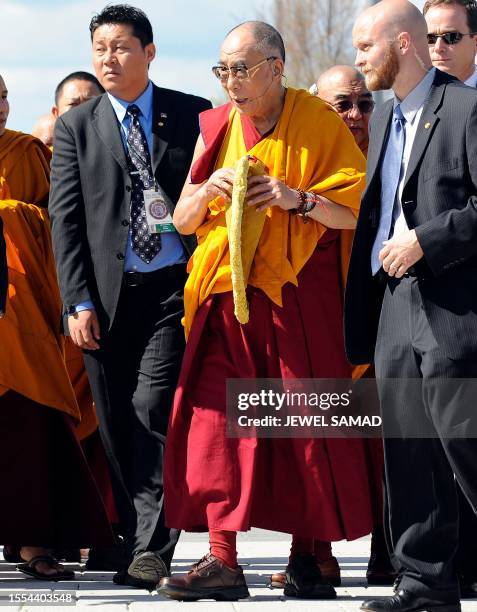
119,255
125,222
128,187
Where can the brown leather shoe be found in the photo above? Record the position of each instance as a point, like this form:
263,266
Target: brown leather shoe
330,572
209,578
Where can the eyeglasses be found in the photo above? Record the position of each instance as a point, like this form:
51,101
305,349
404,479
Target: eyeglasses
364,106
450,38
240,71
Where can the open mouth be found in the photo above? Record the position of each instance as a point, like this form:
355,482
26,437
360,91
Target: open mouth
240,101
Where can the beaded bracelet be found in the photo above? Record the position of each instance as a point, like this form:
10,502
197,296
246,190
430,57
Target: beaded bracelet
306,203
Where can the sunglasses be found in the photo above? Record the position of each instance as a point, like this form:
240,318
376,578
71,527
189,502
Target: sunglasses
364,106
450,38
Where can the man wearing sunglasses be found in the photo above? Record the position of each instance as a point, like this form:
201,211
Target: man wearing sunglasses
452,25
454,52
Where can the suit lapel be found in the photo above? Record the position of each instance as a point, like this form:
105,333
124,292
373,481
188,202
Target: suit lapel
380,129
163,119
107,126
429,120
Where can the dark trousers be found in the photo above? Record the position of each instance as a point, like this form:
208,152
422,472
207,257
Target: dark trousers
133,378
428,427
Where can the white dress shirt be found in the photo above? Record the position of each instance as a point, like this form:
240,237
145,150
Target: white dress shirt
472,80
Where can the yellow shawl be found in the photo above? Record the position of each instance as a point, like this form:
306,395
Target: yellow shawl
311,149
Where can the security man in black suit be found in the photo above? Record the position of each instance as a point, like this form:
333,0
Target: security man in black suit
411,298
120,161
453,46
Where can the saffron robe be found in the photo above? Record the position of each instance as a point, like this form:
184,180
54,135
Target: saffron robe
30,332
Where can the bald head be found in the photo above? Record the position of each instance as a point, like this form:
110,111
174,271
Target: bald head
4,107
391,42
344,88
44,128
265,37
395,16
332,78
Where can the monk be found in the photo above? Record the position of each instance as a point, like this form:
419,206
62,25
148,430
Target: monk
48,496
43,129
312,488
344,88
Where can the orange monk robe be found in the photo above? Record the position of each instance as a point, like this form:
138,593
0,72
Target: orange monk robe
24,160
294,155
32,355
25,164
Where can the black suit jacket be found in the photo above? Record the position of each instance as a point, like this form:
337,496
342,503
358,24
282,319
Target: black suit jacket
90,197
3,270
439,201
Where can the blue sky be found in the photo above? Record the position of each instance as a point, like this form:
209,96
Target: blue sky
44,40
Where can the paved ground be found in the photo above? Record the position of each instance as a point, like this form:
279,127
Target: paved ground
260,552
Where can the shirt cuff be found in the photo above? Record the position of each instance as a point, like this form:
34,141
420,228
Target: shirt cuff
88,305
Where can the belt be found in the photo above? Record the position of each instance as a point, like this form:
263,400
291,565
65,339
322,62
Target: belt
135,279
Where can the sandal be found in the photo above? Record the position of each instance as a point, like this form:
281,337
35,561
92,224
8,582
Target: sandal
30,568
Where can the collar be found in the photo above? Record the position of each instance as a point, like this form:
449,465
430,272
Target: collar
416,98
143,102
472,80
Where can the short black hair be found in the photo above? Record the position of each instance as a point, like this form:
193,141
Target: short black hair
126,15
470,7
80,75
268,38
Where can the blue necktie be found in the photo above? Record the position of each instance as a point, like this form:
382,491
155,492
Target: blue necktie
144,244
390,174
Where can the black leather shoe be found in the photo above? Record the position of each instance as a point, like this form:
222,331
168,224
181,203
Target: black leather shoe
404,601
304,580
144,571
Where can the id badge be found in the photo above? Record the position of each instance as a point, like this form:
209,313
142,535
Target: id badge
158,217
